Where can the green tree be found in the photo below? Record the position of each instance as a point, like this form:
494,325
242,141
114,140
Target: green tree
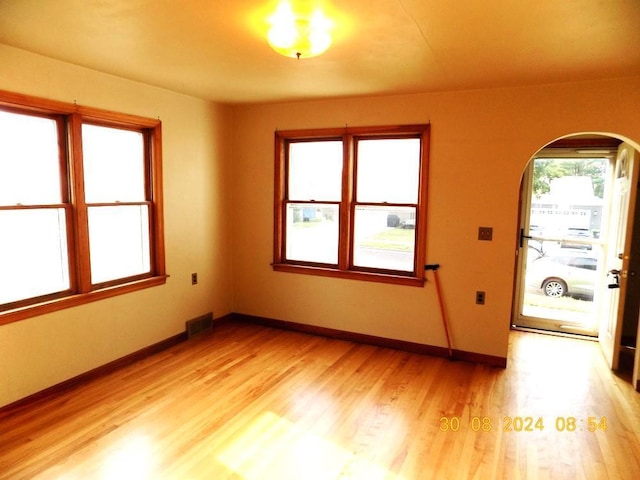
547,169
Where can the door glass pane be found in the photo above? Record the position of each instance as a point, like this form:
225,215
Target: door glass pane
29,160
562,286
315,171
388,170
563,275
567,198
385,238
312,233
33,253
113,164
118,242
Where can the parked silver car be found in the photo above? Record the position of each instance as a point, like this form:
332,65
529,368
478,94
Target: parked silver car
562,275
578,234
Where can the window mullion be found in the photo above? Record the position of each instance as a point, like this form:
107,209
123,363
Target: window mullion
80,226
346,208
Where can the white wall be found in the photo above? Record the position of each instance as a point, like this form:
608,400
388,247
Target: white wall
42,351
481,142
218,177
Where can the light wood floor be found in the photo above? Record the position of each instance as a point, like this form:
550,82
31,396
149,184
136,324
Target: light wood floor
249,402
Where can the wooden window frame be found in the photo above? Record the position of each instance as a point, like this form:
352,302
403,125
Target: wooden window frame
70,118
345,268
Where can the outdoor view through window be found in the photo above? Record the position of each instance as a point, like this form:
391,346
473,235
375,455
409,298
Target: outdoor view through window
33,243
564,258
114,178
387,175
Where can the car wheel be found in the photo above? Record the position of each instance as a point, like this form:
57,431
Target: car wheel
554,288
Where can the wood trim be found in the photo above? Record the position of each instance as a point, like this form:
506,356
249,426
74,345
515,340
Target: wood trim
26,402
35,104
110,367
346,215
586,143
345,267
366,131
80,256
157,201
107,368
47,106
278,201
33,310
350,274
72,117
403,345
423,202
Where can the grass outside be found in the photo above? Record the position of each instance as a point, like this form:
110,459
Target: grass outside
314,222
559,303
400,239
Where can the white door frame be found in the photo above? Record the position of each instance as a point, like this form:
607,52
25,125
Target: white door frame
519,280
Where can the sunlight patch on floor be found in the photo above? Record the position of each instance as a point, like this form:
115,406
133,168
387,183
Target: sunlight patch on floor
133,459
274,447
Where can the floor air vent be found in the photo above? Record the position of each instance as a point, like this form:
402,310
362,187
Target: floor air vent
198,325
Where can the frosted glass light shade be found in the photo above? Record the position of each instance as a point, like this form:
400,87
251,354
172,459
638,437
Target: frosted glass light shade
298,36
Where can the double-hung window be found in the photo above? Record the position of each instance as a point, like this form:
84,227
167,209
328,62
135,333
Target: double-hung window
80,205
351,202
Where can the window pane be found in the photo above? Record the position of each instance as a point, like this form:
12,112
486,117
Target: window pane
384,238
29,160
33,254
388,170
118,242
113,164
315,171
312,233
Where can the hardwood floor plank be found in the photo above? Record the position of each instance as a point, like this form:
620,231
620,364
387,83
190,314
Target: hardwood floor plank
251,402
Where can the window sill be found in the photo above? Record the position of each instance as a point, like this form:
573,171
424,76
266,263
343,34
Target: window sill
350,274
49,306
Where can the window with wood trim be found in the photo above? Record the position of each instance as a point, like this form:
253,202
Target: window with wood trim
351,202
80,205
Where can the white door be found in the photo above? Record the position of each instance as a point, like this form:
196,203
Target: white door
617,252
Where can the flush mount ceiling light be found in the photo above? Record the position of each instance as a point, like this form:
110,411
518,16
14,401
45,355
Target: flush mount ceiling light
298,34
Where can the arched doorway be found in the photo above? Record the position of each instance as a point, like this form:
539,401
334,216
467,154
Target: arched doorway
575,268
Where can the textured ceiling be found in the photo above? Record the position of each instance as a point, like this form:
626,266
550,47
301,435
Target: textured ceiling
217,50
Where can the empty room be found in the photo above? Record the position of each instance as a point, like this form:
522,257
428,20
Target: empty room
270,239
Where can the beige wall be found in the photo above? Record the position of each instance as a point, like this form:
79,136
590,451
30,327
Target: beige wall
218,176
481,142
42,351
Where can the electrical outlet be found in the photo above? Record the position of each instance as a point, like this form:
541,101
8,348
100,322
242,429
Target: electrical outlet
194,279
485,233
480,298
